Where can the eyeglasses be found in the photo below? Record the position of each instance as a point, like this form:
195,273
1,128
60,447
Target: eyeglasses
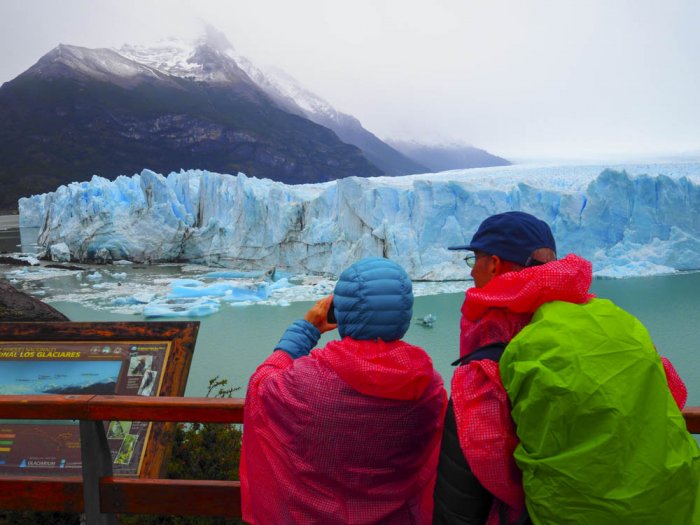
471,259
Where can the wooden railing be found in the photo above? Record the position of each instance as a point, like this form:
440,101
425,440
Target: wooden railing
99,494
692,419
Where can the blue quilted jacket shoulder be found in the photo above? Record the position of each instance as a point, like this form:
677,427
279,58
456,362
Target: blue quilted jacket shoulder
373,299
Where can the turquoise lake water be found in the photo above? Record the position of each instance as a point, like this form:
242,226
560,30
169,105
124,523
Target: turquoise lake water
234,341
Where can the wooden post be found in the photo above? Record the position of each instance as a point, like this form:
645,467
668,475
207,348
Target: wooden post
96,463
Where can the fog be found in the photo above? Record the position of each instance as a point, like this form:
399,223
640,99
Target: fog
581,79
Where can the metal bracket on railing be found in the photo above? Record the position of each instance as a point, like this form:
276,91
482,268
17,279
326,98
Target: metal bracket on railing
97,463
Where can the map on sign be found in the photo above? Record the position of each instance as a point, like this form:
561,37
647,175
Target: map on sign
93,367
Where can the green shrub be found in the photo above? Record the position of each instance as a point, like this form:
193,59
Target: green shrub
201,451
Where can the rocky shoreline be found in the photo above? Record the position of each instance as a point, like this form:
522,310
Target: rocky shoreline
16,306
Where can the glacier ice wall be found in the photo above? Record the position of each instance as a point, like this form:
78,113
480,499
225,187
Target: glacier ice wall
624,222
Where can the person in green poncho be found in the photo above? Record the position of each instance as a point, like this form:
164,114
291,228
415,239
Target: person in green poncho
561,412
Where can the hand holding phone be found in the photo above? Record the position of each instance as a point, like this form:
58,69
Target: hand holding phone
321,313
330,317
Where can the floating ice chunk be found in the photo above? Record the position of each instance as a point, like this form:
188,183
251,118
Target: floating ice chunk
59,252
197,308
125,301
137,298
28,258
234,274
186,282
144,297
119,275
427,321
244,302
279,285
212,290
324,288
39,273
243,294
229,291
94,277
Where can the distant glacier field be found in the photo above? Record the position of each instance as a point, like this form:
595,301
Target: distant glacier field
634,219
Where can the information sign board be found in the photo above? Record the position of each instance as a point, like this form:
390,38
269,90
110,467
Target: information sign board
144,359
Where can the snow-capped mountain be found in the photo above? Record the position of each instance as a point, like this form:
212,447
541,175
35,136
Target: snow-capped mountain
212,58
79,112
104,65
195,105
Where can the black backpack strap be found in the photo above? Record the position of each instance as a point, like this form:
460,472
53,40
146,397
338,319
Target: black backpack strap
459,498
524,518
493,352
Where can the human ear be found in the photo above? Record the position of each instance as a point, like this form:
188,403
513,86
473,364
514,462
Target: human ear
496,266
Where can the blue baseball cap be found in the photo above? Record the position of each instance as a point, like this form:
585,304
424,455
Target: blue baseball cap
512,236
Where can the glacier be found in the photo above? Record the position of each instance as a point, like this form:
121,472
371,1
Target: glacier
632,219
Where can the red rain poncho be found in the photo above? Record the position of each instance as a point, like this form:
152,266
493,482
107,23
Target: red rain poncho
348,434
495,314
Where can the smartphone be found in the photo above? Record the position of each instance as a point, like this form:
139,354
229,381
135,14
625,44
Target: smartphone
330,316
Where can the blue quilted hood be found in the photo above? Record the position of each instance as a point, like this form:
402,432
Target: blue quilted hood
373,299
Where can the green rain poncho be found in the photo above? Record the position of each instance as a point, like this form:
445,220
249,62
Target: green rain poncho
602,441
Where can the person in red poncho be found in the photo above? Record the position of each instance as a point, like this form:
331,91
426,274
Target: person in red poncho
350,433
515,271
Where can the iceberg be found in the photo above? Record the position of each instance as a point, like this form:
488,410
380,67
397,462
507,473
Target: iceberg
59,252
201,307
221,289
622,218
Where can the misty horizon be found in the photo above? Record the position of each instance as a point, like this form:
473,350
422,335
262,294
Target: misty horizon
536,81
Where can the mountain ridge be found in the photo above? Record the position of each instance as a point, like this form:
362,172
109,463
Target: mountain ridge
176,58
79,112
445,157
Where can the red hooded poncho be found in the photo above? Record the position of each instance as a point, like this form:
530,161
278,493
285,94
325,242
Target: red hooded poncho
495,314
347,434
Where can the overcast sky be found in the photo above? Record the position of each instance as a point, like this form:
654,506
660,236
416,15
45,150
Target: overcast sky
520,78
